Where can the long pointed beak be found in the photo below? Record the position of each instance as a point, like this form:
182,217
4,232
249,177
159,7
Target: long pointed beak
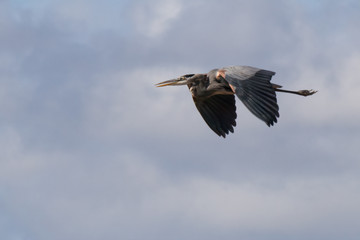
172,82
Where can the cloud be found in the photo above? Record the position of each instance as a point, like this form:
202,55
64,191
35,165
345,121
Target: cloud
109,103
76,197
153,19
92,150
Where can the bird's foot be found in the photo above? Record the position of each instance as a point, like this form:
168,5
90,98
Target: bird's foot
307,92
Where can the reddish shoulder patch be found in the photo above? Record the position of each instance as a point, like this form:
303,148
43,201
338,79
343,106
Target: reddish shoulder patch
220,73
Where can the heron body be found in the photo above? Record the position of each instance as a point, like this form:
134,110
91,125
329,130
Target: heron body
213,95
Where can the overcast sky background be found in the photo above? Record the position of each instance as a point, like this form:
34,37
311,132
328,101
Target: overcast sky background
90,149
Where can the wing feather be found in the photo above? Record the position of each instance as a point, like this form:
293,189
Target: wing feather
219,113
253,88
224,125
209,113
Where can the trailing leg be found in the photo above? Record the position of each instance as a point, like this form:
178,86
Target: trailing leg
300,92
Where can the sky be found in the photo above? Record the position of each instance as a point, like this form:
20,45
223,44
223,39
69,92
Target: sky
90,149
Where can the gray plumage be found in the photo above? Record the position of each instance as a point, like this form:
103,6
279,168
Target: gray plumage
213,95
253,88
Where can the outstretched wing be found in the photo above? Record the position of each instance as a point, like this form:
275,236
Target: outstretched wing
253,88
219,112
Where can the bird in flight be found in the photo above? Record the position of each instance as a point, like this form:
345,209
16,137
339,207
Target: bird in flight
213,95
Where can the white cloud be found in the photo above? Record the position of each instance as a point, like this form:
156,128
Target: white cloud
155,18
337,98
158,111
297,206
91,149
74,196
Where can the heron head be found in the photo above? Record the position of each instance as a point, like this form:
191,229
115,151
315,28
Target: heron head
182,80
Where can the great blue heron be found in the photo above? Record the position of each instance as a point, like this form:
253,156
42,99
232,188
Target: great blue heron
213,95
